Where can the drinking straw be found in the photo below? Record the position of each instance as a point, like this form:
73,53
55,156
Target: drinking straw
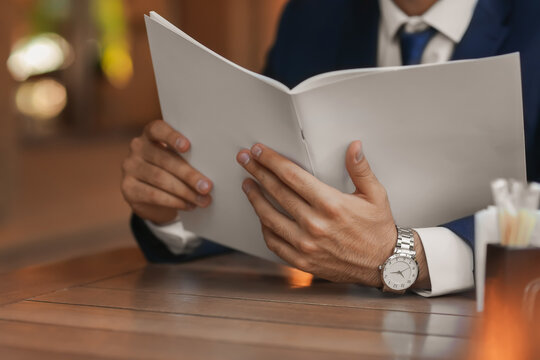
517,205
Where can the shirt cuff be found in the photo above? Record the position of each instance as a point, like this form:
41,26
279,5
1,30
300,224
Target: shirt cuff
177,239
449,260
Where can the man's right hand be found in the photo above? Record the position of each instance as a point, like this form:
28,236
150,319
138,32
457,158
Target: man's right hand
157,180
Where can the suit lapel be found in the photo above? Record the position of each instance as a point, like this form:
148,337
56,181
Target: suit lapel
359,36
487,31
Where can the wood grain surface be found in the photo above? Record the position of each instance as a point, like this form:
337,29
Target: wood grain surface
115,305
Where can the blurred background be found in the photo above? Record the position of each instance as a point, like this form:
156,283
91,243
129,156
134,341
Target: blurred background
76,84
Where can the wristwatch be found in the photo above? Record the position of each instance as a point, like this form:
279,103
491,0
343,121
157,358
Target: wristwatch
400,271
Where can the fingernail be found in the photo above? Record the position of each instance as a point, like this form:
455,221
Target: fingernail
256,151
246,186
203,185
180,143
359,155
190,207
202,200
243,158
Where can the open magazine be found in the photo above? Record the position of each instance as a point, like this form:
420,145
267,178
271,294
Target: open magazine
435,135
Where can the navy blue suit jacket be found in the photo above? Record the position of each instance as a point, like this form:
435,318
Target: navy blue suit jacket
317,36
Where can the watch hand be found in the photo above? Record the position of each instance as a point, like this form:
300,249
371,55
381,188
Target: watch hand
398,272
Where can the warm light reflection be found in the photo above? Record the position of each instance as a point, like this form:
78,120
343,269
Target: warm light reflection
503,333
42,99
297,278
38,55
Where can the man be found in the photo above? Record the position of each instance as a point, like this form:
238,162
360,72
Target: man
336,236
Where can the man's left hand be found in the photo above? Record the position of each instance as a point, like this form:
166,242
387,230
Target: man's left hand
333,235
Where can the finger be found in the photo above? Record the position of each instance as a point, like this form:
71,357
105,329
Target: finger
138,192
361,175
291,202
161,132
163,180
269,216
176,165
283,249
300,181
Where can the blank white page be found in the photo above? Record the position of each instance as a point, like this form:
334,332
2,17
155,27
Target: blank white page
328,78
435,135
161,20
221,108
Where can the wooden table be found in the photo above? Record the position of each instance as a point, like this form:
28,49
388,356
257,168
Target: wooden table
115,305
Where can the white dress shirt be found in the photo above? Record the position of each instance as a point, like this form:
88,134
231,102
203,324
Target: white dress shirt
449,258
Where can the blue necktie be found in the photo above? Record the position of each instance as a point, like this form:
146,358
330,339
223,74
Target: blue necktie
413,45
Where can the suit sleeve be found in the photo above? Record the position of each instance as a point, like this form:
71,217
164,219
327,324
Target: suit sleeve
464,228
156,251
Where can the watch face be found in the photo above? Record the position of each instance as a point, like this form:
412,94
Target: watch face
400,272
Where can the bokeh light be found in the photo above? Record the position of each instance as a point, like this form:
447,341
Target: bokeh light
116,61
117,65
39,54
42,99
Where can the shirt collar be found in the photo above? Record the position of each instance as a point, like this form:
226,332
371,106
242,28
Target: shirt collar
449,17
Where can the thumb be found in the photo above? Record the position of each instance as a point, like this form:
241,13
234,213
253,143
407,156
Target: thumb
361,175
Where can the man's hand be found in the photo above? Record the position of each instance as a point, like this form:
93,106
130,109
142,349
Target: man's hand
157,181
336,236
